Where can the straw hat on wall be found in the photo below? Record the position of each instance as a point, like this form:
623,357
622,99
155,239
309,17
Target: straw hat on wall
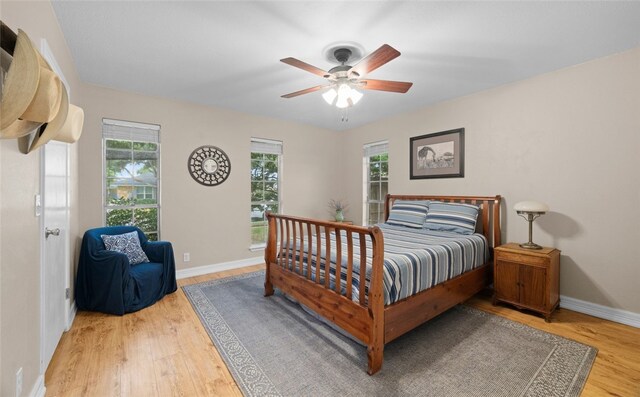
72,128
35,104
32,92
63,129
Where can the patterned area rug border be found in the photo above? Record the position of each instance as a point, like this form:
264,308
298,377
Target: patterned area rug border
246,372
253,381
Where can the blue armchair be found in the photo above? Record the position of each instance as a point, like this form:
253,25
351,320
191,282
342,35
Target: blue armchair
107,283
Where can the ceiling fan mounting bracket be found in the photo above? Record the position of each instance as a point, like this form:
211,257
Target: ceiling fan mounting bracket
342,55
357,51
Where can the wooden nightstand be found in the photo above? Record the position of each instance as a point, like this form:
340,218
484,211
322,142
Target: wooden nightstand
528,279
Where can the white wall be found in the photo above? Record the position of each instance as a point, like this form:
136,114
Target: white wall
211,223
570,138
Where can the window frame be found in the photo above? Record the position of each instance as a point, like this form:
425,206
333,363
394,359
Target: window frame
366,163
280,161
105,193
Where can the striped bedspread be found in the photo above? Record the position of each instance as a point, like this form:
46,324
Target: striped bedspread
414,259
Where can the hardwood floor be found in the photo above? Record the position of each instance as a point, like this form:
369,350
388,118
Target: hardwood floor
164,351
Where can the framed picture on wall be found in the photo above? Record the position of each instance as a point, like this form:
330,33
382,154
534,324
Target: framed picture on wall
439,155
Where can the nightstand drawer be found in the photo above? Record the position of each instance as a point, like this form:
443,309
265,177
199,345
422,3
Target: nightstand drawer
524,259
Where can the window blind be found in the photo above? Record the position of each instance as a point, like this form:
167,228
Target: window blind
130,131
266,146
376,148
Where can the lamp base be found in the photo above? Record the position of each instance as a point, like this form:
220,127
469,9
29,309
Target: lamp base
531,246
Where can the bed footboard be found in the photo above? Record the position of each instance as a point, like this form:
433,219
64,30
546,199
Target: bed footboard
298,262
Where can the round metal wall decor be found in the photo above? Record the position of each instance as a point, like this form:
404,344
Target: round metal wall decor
209,165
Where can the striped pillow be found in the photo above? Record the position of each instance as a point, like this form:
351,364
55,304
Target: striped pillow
452,217
408,213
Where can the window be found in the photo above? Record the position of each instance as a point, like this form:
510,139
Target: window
131,155
145,192
376,178
266,175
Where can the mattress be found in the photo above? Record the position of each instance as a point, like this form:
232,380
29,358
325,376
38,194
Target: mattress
414,259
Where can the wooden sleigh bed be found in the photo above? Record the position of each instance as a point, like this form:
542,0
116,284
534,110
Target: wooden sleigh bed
365,315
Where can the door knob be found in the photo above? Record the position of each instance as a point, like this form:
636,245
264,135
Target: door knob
48,232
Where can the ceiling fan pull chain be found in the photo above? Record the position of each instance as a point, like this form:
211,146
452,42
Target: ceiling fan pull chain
345,115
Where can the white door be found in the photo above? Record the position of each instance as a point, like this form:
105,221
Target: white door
55,235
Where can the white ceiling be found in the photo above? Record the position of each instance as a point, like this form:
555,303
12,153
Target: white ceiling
226,54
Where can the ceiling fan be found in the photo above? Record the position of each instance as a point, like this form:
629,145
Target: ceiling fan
344,79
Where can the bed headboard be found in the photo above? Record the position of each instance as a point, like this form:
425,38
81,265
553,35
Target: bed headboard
488,219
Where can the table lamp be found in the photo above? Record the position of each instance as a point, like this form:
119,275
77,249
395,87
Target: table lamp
530,210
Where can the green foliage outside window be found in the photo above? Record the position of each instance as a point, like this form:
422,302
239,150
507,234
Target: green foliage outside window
132,167
264,193
377,187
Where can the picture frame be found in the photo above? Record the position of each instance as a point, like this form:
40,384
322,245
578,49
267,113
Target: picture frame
437,155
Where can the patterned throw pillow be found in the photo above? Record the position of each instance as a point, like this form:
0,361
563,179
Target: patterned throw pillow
408,213
452,217
128,244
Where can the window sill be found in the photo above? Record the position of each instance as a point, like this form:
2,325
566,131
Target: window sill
257,247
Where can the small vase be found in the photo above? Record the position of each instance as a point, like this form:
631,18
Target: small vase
339,216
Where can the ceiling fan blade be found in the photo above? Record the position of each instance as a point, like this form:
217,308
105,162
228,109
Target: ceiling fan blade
305,66
306,91
386,85
376,59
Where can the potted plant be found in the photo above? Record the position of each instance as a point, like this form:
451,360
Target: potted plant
337,209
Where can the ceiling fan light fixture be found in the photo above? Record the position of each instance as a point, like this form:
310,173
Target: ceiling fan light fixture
355,96
344,90
342,102
330,96
344,96
347,96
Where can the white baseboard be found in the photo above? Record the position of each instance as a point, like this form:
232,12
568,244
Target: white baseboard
38,389
218,267
72,315
600,311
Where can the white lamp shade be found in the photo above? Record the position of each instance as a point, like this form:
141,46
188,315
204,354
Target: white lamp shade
330,96
343,96
531,206
342,102
355,96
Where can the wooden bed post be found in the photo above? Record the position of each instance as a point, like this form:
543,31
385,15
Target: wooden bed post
375,349
387,206
497,236
270,254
